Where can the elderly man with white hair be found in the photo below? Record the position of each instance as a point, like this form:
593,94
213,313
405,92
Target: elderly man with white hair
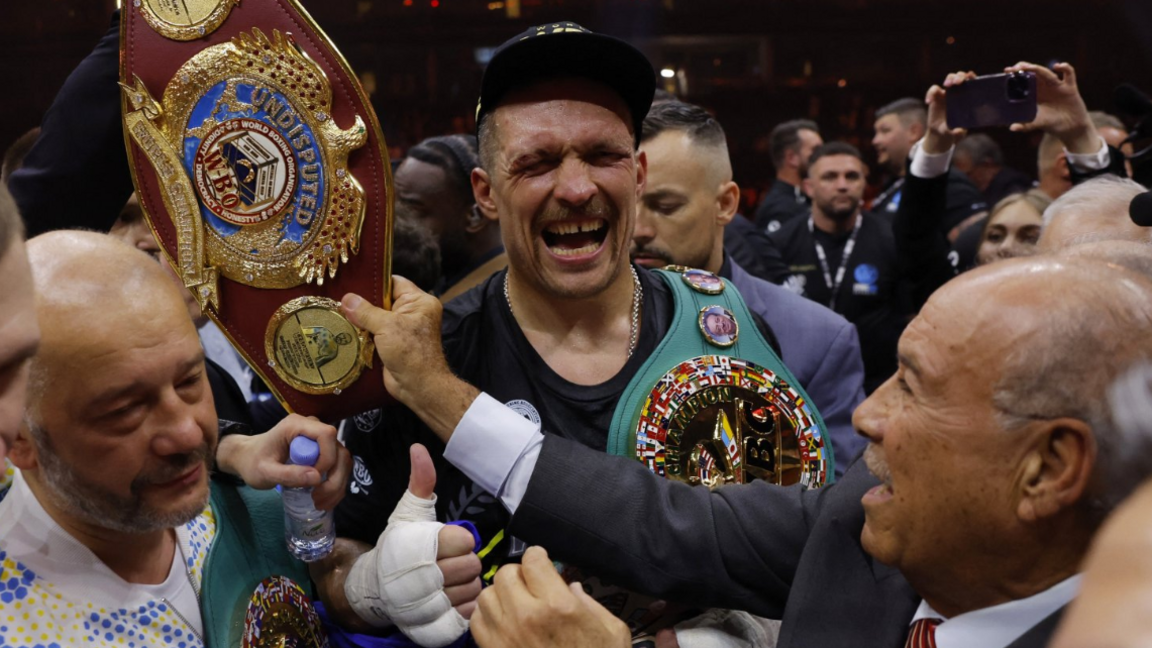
1096,210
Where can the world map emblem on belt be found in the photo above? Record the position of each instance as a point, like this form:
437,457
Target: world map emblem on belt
715,420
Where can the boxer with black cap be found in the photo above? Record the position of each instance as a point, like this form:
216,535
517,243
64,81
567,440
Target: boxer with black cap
563,335
569,50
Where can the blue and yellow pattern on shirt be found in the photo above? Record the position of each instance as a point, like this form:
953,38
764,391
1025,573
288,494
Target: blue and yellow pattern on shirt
34,614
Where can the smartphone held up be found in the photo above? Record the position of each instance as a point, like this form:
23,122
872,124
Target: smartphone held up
993,100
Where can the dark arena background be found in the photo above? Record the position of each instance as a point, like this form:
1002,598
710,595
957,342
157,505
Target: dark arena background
754,63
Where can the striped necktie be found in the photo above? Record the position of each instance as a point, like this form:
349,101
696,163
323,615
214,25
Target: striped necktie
922,634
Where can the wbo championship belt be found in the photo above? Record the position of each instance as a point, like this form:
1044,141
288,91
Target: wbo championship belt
263,173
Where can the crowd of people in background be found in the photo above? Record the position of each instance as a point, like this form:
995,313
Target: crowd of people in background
971,334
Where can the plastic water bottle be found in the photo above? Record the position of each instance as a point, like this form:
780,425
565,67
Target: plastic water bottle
310,532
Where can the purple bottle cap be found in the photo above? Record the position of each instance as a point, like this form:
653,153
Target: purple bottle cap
303,451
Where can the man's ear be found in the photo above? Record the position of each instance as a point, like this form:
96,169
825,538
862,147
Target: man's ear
641,173
806,185
482,191
23,453
1062,167
729,203
792,159
916,131
1057,472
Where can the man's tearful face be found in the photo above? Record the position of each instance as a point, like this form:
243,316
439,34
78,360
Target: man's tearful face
565,185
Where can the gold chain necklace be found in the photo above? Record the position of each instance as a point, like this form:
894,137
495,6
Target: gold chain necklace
637,299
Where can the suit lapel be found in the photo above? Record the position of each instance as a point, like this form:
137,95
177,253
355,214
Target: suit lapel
1040,633
843,597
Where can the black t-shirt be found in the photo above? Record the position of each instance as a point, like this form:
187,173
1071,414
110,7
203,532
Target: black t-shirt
783,202
833,245
485,346
868,295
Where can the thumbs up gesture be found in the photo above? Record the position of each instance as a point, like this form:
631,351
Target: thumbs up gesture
422,575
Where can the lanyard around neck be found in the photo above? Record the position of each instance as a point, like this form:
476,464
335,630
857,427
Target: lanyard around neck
834,286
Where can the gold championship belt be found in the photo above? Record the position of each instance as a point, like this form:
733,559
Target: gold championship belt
263,173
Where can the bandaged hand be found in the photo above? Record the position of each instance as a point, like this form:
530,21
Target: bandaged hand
422,576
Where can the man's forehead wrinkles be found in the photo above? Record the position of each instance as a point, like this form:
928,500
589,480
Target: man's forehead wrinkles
543,139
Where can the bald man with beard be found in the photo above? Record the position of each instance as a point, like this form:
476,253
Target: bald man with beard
109,520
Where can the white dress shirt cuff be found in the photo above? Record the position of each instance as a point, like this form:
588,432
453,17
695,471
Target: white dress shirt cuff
496,448
930,165
1091,161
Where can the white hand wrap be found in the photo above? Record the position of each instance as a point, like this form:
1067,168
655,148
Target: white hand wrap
398,581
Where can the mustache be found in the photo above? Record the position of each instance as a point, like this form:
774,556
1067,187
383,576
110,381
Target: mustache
650,251
173,467
597,207
876,463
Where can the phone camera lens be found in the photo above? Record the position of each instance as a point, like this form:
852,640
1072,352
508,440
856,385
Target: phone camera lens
1018,87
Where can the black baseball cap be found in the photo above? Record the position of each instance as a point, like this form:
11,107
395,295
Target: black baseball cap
567,49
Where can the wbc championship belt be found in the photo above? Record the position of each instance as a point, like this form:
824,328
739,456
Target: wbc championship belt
713,405
263,173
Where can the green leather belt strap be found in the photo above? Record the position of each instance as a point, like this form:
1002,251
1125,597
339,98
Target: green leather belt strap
248,549
686,340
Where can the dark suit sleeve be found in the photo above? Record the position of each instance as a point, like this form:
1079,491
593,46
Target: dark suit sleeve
837,388
76,175
736,547
963,200
1115,167
921,245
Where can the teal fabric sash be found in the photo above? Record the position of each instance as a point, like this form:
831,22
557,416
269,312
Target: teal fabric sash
248,550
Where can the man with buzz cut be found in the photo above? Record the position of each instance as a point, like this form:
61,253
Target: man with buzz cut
688,202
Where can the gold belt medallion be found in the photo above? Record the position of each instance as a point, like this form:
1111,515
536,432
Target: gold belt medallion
314,348
184,20
249,124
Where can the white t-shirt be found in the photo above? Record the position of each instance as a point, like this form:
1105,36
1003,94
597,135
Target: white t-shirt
54,592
